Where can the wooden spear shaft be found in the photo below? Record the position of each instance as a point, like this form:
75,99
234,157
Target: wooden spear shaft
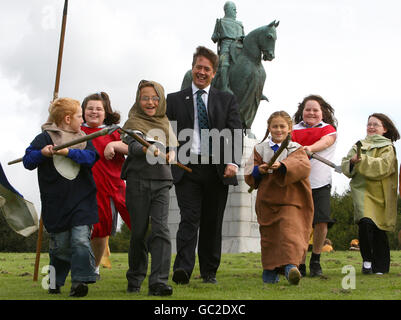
103,132
147,145
55,96
60,51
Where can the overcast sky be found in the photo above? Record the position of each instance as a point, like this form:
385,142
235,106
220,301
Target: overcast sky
347,51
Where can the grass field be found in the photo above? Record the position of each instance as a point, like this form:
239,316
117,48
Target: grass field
239,278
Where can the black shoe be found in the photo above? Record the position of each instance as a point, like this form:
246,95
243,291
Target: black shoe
132,289
180,276
315,269
160,289
56,290
302,269
79,289
367,270
210,278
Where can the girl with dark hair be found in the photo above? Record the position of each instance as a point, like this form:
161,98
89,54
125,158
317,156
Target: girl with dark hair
111,117
372,166
326,108
315,130
97,113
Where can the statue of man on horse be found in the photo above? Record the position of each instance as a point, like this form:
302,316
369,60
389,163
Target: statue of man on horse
226,31
240,70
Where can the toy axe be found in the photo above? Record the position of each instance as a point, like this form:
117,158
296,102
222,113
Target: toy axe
313,155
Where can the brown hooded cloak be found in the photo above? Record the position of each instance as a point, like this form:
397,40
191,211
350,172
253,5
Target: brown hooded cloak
284,206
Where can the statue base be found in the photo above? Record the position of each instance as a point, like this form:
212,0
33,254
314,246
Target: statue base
240,227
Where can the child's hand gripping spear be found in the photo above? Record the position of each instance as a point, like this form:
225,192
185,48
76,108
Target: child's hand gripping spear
283,145
358,156
150,147
103,132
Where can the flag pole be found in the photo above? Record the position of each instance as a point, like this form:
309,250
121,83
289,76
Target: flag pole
55,96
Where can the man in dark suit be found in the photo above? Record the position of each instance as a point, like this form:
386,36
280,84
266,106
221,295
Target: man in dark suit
202,194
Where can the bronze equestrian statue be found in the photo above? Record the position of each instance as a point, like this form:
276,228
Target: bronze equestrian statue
246,74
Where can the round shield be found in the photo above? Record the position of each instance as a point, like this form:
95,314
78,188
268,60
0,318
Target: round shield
66,167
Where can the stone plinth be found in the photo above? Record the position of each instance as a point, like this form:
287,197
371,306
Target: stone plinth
240,227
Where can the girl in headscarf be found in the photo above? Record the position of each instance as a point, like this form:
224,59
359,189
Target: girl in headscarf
149,179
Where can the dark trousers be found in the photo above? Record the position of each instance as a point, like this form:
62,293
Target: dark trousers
202,199
148,199
374,247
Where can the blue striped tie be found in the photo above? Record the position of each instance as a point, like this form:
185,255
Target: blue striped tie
202,113
202,120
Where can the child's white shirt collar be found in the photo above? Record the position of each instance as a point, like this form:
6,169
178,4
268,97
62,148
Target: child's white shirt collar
272,143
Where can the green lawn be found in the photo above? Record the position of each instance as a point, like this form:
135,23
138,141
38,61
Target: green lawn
239,278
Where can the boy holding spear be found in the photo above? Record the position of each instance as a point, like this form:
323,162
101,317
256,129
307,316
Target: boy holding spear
68,194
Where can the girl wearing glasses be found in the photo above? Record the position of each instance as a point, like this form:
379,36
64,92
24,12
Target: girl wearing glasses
97,114
372,166
149,180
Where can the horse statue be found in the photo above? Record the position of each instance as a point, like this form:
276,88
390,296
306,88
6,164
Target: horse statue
246,73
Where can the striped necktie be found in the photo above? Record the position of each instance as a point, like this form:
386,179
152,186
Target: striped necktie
202,113
202,121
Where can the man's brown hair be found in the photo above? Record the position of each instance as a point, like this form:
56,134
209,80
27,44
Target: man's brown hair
208,54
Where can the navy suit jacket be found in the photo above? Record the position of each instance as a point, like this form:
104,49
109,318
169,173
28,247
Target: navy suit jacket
223,113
